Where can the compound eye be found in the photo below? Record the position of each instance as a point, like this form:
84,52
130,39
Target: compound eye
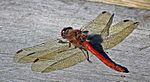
63,34
68,28
64,31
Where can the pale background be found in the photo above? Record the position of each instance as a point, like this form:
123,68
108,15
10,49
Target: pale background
25,23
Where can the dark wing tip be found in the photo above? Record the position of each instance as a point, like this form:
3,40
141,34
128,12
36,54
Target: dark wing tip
35,60
113,15
103,12
125,20
19,51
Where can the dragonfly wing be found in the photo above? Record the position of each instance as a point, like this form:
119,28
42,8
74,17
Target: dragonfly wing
101,24
63,60
118,33
47,57
30,54
27,57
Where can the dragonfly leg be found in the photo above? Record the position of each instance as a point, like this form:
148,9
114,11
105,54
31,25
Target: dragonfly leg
75,47
86,55
61,41
69,44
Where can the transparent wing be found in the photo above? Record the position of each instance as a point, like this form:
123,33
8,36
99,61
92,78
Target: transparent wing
101,24
118,33
28,55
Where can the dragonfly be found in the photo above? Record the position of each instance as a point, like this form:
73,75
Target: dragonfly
96,36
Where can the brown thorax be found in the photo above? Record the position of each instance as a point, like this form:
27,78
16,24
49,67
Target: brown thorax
74,36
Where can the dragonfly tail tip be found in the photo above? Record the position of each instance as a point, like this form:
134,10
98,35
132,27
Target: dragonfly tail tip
126,70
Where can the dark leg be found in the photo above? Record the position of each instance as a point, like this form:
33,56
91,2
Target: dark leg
86,55
69,44
61,41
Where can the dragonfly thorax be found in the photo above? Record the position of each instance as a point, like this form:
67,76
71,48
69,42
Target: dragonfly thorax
74,36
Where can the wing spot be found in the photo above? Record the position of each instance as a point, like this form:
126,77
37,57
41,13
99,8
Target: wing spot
36,60
125,20
103,12
19,51
43,43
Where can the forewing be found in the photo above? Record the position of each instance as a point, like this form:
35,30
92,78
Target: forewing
45,50
101,24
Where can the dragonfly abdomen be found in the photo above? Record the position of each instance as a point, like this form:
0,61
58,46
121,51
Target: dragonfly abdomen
105,59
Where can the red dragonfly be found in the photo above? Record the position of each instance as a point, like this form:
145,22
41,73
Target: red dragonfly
51,56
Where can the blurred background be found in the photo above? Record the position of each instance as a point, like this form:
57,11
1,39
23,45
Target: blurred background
25,23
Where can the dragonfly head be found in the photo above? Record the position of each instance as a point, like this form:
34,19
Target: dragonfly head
65,31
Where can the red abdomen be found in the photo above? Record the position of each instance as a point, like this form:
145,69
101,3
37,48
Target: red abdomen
104,58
